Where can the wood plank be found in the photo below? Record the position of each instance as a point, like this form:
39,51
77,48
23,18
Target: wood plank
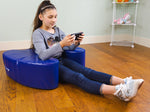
61,100
72,91
25,101
7,93
43,100
1,58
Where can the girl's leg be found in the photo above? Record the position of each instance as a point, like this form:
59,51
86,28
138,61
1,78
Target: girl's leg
123,91
92,74
107,89
117,80
110,89
78,79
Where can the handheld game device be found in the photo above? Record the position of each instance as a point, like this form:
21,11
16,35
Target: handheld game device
77,35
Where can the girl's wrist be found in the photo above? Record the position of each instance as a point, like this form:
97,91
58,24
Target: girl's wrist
61,44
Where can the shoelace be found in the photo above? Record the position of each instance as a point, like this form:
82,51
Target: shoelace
123,92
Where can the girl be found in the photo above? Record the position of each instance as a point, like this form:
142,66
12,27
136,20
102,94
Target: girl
49,41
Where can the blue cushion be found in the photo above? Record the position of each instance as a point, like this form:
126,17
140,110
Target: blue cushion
77,55
26,68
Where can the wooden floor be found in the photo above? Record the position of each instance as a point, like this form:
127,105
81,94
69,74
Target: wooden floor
115,60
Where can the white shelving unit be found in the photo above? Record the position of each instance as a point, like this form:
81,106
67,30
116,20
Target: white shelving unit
124,34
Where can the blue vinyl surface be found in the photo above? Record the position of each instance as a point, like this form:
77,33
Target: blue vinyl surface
77,55
25,67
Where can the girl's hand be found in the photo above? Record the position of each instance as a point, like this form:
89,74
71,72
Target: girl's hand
67,41
79,39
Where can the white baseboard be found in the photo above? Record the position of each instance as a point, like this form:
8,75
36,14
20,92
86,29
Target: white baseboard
95,39
143,41
8,45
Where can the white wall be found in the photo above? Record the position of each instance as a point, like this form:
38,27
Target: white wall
93,17
16,18
73,15
143,24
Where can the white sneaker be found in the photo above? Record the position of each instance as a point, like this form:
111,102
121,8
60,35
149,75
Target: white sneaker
132,88
121,92
129,90
127,79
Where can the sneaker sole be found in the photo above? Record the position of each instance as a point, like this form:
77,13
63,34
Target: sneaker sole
141,84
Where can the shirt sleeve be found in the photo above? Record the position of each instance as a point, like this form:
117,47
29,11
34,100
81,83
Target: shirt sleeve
72,47
40,47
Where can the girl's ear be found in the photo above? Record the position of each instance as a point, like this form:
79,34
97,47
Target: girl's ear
40,17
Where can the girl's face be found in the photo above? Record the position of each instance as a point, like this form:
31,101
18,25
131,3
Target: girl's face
48,18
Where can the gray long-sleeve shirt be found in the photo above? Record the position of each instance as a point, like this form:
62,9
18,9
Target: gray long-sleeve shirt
55,50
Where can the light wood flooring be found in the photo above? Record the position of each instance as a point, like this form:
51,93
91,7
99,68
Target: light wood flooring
115,60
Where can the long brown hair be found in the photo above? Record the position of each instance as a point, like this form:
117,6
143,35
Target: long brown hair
46,4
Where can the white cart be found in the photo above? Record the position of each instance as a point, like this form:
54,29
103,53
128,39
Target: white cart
124,23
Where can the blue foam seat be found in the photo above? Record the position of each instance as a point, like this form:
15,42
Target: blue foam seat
25,67
77,55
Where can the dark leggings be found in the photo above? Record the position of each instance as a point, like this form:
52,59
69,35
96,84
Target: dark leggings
83,77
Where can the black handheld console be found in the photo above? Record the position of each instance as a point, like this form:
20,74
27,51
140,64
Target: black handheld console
77,35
